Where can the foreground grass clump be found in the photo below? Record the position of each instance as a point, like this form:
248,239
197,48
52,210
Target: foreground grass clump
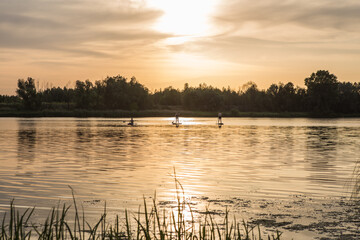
149,224
356,182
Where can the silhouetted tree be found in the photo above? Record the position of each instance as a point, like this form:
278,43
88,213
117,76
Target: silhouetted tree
27,92
138,95
84,94
272,93
230,98
322,91
9,99
324,94
55,94
251,99
204,97
348,98
168,96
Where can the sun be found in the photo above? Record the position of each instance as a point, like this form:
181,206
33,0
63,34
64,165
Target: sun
184,19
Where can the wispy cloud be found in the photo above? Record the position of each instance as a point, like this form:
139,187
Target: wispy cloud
320,14
268,33
74,25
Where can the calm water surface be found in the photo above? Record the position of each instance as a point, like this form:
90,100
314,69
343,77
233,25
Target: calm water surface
104,159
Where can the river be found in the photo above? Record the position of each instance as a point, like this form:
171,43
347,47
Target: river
254,166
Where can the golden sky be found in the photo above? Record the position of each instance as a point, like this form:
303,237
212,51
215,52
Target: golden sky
171,42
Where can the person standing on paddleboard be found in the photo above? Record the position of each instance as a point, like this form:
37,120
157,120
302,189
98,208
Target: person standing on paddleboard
219,119
177,118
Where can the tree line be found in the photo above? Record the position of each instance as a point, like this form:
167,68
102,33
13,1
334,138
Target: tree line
323,94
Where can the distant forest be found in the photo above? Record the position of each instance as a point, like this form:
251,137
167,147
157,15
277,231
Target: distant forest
323,94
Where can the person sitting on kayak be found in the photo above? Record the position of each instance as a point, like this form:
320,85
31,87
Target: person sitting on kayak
131,123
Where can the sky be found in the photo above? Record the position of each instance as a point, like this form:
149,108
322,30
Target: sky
172,42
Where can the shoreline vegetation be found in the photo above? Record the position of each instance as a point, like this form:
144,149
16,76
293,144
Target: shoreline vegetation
146,224
83,113
323,96
150,222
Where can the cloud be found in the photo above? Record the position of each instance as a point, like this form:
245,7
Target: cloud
279,32
340,15
60,40
75,26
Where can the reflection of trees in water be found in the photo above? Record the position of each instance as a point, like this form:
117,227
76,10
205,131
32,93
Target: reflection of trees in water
269,146
127,148
108,147
26,141
83,131
281,143
251,135
321,152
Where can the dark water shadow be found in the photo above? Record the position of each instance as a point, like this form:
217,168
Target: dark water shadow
321,154
26,139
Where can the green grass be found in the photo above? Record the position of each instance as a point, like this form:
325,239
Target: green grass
149,223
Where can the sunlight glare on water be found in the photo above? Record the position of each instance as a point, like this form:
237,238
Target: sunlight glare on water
104,159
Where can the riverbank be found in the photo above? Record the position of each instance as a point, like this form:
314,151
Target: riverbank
300,217
151,222
161,113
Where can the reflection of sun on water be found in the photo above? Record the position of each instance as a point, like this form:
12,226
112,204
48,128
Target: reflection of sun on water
185,19
182,210
185,120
